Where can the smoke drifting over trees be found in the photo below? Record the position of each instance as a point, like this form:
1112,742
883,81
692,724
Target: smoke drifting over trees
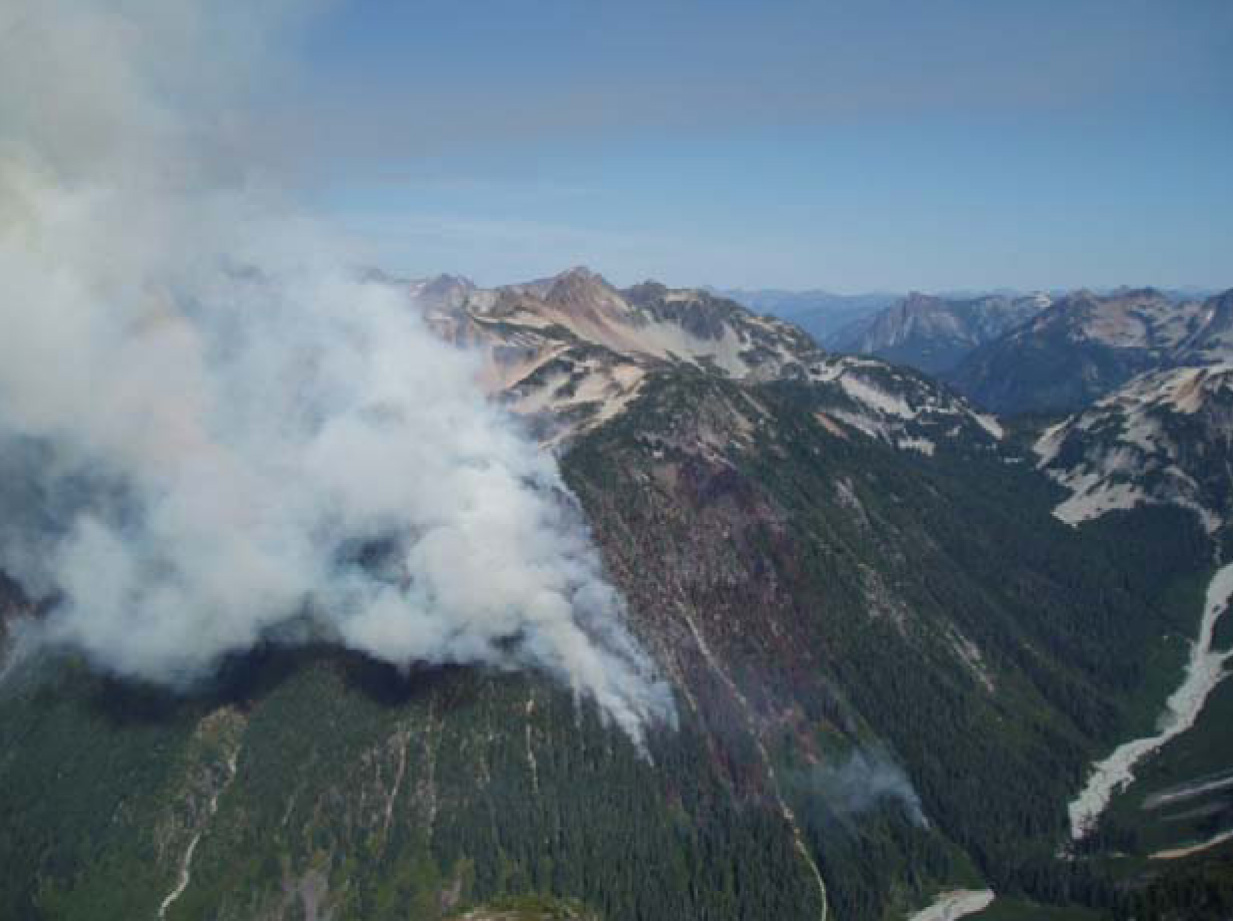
203,413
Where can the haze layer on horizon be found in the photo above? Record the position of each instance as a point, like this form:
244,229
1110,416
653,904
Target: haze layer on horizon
879,146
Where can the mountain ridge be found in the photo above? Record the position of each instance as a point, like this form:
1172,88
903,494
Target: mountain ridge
571,352
892,664
1086,345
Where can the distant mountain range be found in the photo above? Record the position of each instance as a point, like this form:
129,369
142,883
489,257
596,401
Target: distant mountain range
1013,353
935,333
819,313
840,321
1086,345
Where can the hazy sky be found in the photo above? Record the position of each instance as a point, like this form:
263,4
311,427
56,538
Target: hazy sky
852,146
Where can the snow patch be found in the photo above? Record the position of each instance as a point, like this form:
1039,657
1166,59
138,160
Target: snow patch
1093,496
923,445
866,393
990,424
1140,434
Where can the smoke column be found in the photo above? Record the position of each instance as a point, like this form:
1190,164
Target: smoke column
207,423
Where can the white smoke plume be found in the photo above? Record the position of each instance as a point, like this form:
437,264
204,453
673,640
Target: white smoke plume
210,431
867,779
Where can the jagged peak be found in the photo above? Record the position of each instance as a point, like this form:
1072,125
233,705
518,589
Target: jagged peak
651,291
579,275
442,292
578,271
916,301
1078,296
446,281
647,289
1223,300
581,289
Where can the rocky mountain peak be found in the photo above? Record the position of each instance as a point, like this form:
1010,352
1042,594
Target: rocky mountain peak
1212,338
442,292
917,300
447,283
580,289
571,352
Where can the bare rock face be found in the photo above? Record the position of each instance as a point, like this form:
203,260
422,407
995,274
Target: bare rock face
1212,340
572,352
1164,438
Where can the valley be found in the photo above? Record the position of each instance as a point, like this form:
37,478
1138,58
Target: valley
1204,671
847,574
561,461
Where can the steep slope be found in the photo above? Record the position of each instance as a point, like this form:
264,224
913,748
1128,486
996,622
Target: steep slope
1166,437
915,594
849,627
1212,341
1082,347
1162,442
891,662
571,352
933,333
441,293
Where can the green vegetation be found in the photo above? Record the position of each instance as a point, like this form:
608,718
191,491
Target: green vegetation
1015,910
338,745
819,601
889,567
1199,889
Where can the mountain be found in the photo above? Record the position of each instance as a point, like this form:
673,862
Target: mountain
1165,437
892,667
935,333
819,313
441,292
1164,440
1212,339
1086,345
572,352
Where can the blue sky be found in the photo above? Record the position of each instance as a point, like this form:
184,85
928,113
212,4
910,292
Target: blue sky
855,146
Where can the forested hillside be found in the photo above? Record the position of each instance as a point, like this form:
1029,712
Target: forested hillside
891,670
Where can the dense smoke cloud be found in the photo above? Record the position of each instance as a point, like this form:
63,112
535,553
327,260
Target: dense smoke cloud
211,432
